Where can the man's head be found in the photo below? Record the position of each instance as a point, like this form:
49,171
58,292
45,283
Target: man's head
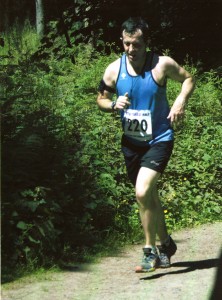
132,25
134,37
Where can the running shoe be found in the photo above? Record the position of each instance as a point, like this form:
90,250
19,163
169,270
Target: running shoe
150,260
165,253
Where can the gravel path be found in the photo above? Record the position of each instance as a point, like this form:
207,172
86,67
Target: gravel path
191,276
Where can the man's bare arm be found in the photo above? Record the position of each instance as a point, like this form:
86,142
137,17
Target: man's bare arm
176,72
105,96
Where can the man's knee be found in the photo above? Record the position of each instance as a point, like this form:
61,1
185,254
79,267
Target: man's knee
146,184
144,196
142,193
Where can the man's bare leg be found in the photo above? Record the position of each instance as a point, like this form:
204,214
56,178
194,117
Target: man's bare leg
151,212
161,224
147,198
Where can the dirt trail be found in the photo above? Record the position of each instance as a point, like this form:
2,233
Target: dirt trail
191,276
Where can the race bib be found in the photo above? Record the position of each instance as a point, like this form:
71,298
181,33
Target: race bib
138,124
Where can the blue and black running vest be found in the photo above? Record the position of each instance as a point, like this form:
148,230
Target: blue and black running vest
145,94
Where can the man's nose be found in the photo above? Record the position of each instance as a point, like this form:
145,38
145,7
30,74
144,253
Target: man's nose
131,48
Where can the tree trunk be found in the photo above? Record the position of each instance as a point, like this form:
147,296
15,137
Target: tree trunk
39,17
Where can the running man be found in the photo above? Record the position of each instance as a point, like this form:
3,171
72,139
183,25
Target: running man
139,78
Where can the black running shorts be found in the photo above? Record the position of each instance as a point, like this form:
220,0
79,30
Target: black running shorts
154,157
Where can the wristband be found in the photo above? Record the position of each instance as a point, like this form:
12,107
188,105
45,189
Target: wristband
113,105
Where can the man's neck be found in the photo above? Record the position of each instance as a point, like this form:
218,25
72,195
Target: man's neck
137,67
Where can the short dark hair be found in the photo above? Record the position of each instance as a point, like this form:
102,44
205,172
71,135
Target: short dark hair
133,24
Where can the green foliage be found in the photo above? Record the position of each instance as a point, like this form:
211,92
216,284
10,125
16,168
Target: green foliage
64,185
56,188
191,185
19,43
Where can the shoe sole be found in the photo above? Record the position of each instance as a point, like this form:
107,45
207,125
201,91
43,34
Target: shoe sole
164,267
140,269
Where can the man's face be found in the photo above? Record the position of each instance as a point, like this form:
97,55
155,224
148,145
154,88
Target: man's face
134,46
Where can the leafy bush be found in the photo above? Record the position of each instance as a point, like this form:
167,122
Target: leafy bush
191,185
19,43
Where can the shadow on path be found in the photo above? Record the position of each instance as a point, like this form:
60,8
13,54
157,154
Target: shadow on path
190,266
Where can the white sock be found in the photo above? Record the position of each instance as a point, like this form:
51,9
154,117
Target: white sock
152,247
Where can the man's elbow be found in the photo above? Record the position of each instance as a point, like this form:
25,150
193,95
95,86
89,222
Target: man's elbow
100,103
191,81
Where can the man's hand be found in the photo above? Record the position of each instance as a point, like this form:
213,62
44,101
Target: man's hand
122,102
177,111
